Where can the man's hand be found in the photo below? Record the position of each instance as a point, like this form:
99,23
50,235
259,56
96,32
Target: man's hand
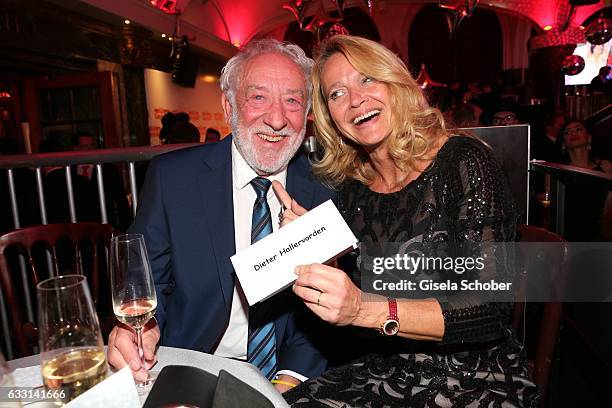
284,378
292,210
123,348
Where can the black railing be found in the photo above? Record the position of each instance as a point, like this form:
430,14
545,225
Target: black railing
39,162
66,160
559,172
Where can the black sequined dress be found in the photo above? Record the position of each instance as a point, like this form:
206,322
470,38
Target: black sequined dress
462,197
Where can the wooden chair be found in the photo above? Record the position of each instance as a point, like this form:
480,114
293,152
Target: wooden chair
43,247
530,265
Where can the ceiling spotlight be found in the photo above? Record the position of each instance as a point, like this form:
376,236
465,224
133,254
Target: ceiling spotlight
126,21
547,28
163,35
209,78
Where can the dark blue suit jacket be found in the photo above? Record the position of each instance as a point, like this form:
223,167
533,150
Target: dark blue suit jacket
186,216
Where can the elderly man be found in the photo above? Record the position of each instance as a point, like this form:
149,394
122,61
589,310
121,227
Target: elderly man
201,205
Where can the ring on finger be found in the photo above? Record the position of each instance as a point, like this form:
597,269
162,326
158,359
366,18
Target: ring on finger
281,214
319,299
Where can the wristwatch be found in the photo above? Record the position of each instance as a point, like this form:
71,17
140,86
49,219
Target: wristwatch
390,327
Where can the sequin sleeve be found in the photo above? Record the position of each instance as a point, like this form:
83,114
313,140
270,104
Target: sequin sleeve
479,209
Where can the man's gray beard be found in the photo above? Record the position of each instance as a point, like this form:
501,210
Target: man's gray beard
247,151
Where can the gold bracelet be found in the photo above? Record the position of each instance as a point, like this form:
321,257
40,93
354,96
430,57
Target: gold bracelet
283,383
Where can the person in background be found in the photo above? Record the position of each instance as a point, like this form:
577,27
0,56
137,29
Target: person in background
402,178
464,115
117,207
549,150
212,135
603,81
544,147
201,205
169,120
505,117
544,144
598,83
183,132
587,200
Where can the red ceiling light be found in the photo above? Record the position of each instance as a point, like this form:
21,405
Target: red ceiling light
167,6
5,95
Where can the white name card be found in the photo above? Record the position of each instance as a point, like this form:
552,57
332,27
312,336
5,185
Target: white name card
118,390
266,267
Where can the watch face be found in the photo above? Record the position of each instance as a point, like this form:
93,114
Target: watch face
391,327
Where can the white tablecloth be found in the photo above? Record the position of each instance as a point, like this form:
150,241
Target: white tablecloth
174,356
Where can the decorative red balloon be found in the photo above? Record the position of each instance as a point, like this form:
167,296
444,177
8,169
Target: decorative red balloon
370,5
456,11
572,65
425,81
339,6
599,31
319,19
335,29
298,9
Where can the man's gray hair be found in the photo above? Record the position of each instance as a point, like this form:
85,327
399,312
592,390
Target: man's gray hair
230,74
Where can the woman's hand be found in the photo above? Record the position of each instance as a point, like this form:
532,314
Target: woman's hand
329,293
292,210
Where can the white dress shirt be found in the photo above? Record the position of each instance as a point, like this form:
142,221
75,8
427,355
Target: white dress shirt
233,343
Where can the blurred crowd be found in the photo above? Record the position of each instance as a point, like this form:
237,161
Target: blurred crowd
555,137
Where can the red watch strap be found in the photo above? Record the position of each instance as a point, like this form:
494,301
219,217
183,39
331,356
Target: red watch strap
392,309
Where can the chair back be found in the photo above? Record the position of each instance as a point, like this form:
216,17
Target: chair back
537,260
32,254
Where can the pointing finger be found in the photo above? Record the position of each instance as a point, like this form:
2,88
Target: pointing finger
282,194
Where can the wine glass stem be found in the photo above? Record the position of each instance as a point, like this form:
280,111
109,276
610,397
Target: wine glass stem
140,348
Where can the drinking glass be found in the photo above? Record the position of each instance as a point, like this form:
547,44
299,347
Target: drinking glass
134,299
71,347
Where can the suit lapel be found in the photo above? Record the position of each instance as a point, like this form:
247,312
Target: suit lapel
215,187
300,184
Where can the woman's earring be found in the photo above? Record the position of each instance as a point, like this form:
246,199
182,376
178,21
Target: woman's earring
341,141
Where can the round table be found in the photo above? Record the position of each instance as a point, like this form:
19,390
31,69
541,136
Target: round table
207,362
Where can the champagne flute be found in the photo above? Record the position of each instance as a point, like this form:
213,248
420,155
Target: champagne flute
133,290
71,347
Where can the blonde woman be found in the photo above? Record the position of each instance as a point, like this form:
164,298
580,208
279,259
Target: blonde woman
402,178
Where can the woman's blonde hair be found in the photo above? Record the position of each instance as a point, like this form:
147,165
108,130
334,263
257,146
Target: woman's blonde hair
414,123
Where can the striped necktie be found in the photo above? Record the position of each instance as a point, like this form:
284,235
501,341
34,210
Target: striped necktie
261,347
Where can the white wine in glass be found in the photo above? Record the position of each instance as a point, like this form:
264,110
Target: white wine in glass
133,290
136,312
72,351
